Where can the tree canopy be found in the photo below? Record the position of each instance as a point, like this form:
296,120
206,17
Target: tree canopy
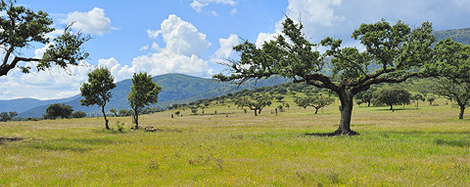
391,96
97,91
255,102
58,110
453,67
143,92
316,102
20,27
398,51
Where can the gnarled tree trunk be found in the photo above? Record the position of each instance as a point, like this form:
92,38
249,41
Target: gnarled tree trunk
344,127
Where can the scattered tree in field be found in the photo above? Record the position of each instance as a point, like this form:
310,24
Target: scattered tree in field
97,91
452,66
391,96
143,92
460,92
417,98
431,100
365,96
58,110
78,114
124,112
255,102
316,102
6,116
396,50
114,111
280,98
22,27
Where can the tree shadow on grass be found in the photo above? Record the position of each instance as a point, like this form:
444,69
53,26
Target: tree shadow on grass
455,143
75,145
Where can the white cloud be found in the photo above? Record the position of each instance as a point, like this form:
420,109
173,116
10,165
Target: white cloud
184,47
119,72
181,37
315,11
167,61
264,37
50,84
92,22
226,47
198,5
233,11
144,48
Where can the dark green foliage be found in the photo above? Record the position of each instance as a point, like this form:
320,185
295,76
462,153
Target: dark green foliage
78,114
21,27
417,98
316,102
452,64
143,92
124,112
391,96
365,96
255,101
6,116
58,110
97,91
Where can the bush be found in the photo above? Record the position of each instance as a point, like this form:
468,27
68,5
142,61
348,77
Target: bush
78,114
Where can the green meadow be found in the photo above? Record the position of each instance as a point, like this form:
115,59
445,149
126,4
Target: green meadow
425,146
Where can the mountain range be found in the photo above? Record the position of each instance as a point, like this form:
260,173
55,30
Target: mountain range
176,89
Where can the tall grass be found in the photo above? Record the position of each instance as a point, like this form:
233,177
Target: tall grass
409,147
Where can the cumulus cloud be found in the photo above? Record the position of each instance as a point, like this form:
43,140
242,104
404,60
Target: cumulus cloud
315,11
92,22
50,84
226,48
181,37
117,70
182,54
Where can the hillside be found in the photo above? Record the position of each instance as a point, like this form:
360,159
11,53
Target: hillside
458,35
177,88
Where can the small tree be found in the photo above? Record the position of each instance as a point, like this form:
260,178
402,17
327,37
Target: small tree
316,102
21,27
365,96
460,92
78,114
114,111
431,100
143,92
417,98
255,102
97,91
58,110
6,116
452,65
391,96
124,112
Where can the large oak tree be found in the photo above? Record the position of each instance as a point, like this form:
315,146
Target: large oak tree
396,51
21,28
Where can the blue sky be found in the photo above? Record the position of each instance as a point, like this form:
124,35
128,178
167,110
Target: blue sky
190,36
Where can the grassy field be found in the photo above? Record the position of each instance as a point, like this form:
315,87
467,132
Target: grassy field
428,146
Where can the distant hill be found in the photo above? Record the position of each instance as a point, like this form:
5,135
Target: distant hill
458,35
177,88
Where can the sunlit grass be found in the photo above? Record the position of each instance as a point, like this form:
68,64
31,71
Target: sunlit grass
409,147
